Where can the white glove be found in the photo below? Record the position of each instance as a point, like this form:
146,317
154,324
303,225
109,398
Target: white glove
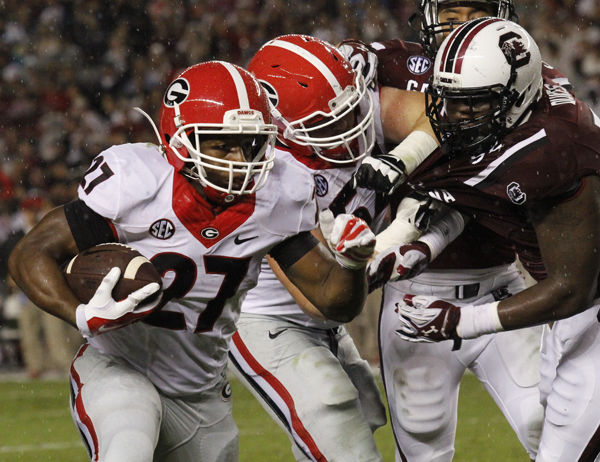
349,238
403,262
102,313
362,60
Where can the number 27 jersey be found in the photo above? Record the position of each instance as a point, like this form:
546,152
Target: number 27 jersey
207,261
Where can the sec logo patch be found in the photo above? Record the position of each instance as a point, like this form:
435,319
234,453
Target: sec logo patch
321,185
162,229
418,64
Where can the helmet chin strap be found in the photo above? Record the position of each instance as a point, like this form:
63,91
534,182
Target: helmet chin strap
141,111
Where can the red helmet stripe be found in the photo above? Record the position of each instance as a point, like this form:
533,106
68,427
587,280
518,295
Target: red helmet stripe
312,59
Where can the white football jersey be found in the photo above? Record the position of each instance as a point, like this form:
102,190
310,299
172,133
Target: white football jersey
333,186
207,262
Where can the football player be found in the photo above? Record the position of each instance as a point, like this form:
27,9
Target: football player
474,268
205,207
307,372
521,158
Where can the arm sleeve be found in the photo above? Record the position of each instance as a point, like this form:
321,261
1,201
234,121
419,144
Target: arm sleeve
88,227
291,250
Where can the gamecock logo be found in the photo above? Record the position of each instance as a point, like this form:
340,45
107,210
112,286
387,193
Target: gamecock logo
513,47
515,194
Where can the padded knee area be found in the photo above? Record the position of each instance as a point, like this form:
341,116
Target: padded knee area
423,403
328,381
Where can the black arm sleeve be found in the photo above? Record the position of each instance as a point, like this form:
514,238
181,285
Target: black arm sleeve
88,228
291,250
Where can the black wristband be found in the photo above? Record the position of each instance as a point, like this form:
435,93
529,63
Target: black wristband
291,250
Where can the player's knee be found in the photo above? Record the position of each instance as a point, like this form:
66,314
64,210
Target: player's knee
423,403
530,429
129,445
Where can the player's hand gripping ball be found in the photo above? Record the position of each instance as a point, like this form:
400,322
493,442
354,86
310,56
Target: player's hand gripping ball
116,284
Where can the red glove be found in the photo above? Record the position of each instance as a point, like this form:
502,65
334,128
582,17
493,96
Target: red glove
349,238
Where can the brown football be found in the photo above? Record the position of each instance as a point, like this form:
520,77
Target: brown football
85,271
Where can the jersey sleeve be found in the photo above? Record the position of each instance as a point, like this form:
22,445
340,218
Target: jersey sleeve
402,65
122,178
550,161
291,193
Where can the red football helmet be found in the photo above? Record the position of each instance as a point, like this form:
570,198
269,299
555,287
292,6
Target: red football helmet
318,101
218,98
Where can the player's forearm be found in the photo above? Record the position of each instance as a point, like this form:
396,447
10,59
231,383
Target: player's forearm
40,278
344,292
544,302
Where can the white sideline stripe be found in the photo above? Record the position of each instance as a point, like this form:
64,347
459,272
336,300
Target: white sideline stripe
133,266
41,447
509,152
320,65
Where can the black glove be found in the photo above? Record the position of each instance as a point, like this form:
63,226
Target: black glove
383,173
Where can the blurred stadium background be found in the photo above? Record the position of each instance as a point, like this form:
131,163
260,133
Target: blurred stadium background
72,70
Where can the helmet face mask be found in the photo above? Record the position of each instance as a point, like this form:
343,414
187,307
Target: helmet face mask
315,94
433,28
218,101
468,122
487,77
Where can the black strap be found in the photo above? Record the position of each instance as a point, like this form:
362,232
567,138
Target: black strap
291,250
88,227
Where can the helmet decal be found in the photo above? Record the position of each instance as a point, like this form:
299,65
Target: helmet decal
514,49
452,58
271,92
177,92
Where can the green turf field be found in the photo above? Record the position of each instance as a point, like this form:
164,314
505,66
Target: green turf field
35,426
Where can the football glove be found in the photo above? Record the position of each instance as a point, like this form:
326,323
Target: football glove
426,319
383,173
102,313
349,238
362,60
403,262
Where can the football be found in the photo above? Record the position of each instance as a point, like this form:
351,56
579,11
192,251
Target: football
85,271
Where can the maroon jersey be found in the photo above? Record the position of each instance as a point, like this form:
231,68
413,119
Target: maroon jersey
404,65
544,159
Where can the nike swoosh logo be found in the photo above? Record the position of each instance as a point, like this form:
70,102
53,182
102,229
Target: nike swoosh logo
276,334
238,240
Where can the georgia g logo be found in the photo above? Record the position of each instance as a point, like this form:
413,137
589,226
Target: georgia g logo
271,92
177,92
515,194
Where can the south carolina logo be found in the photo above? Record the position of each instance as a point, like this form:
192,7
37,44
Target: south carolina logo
177,92
515,194
321,185
271,92
418,64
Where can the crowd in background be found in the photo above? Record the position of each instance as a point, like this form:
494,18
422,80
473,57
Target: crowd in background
72,71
